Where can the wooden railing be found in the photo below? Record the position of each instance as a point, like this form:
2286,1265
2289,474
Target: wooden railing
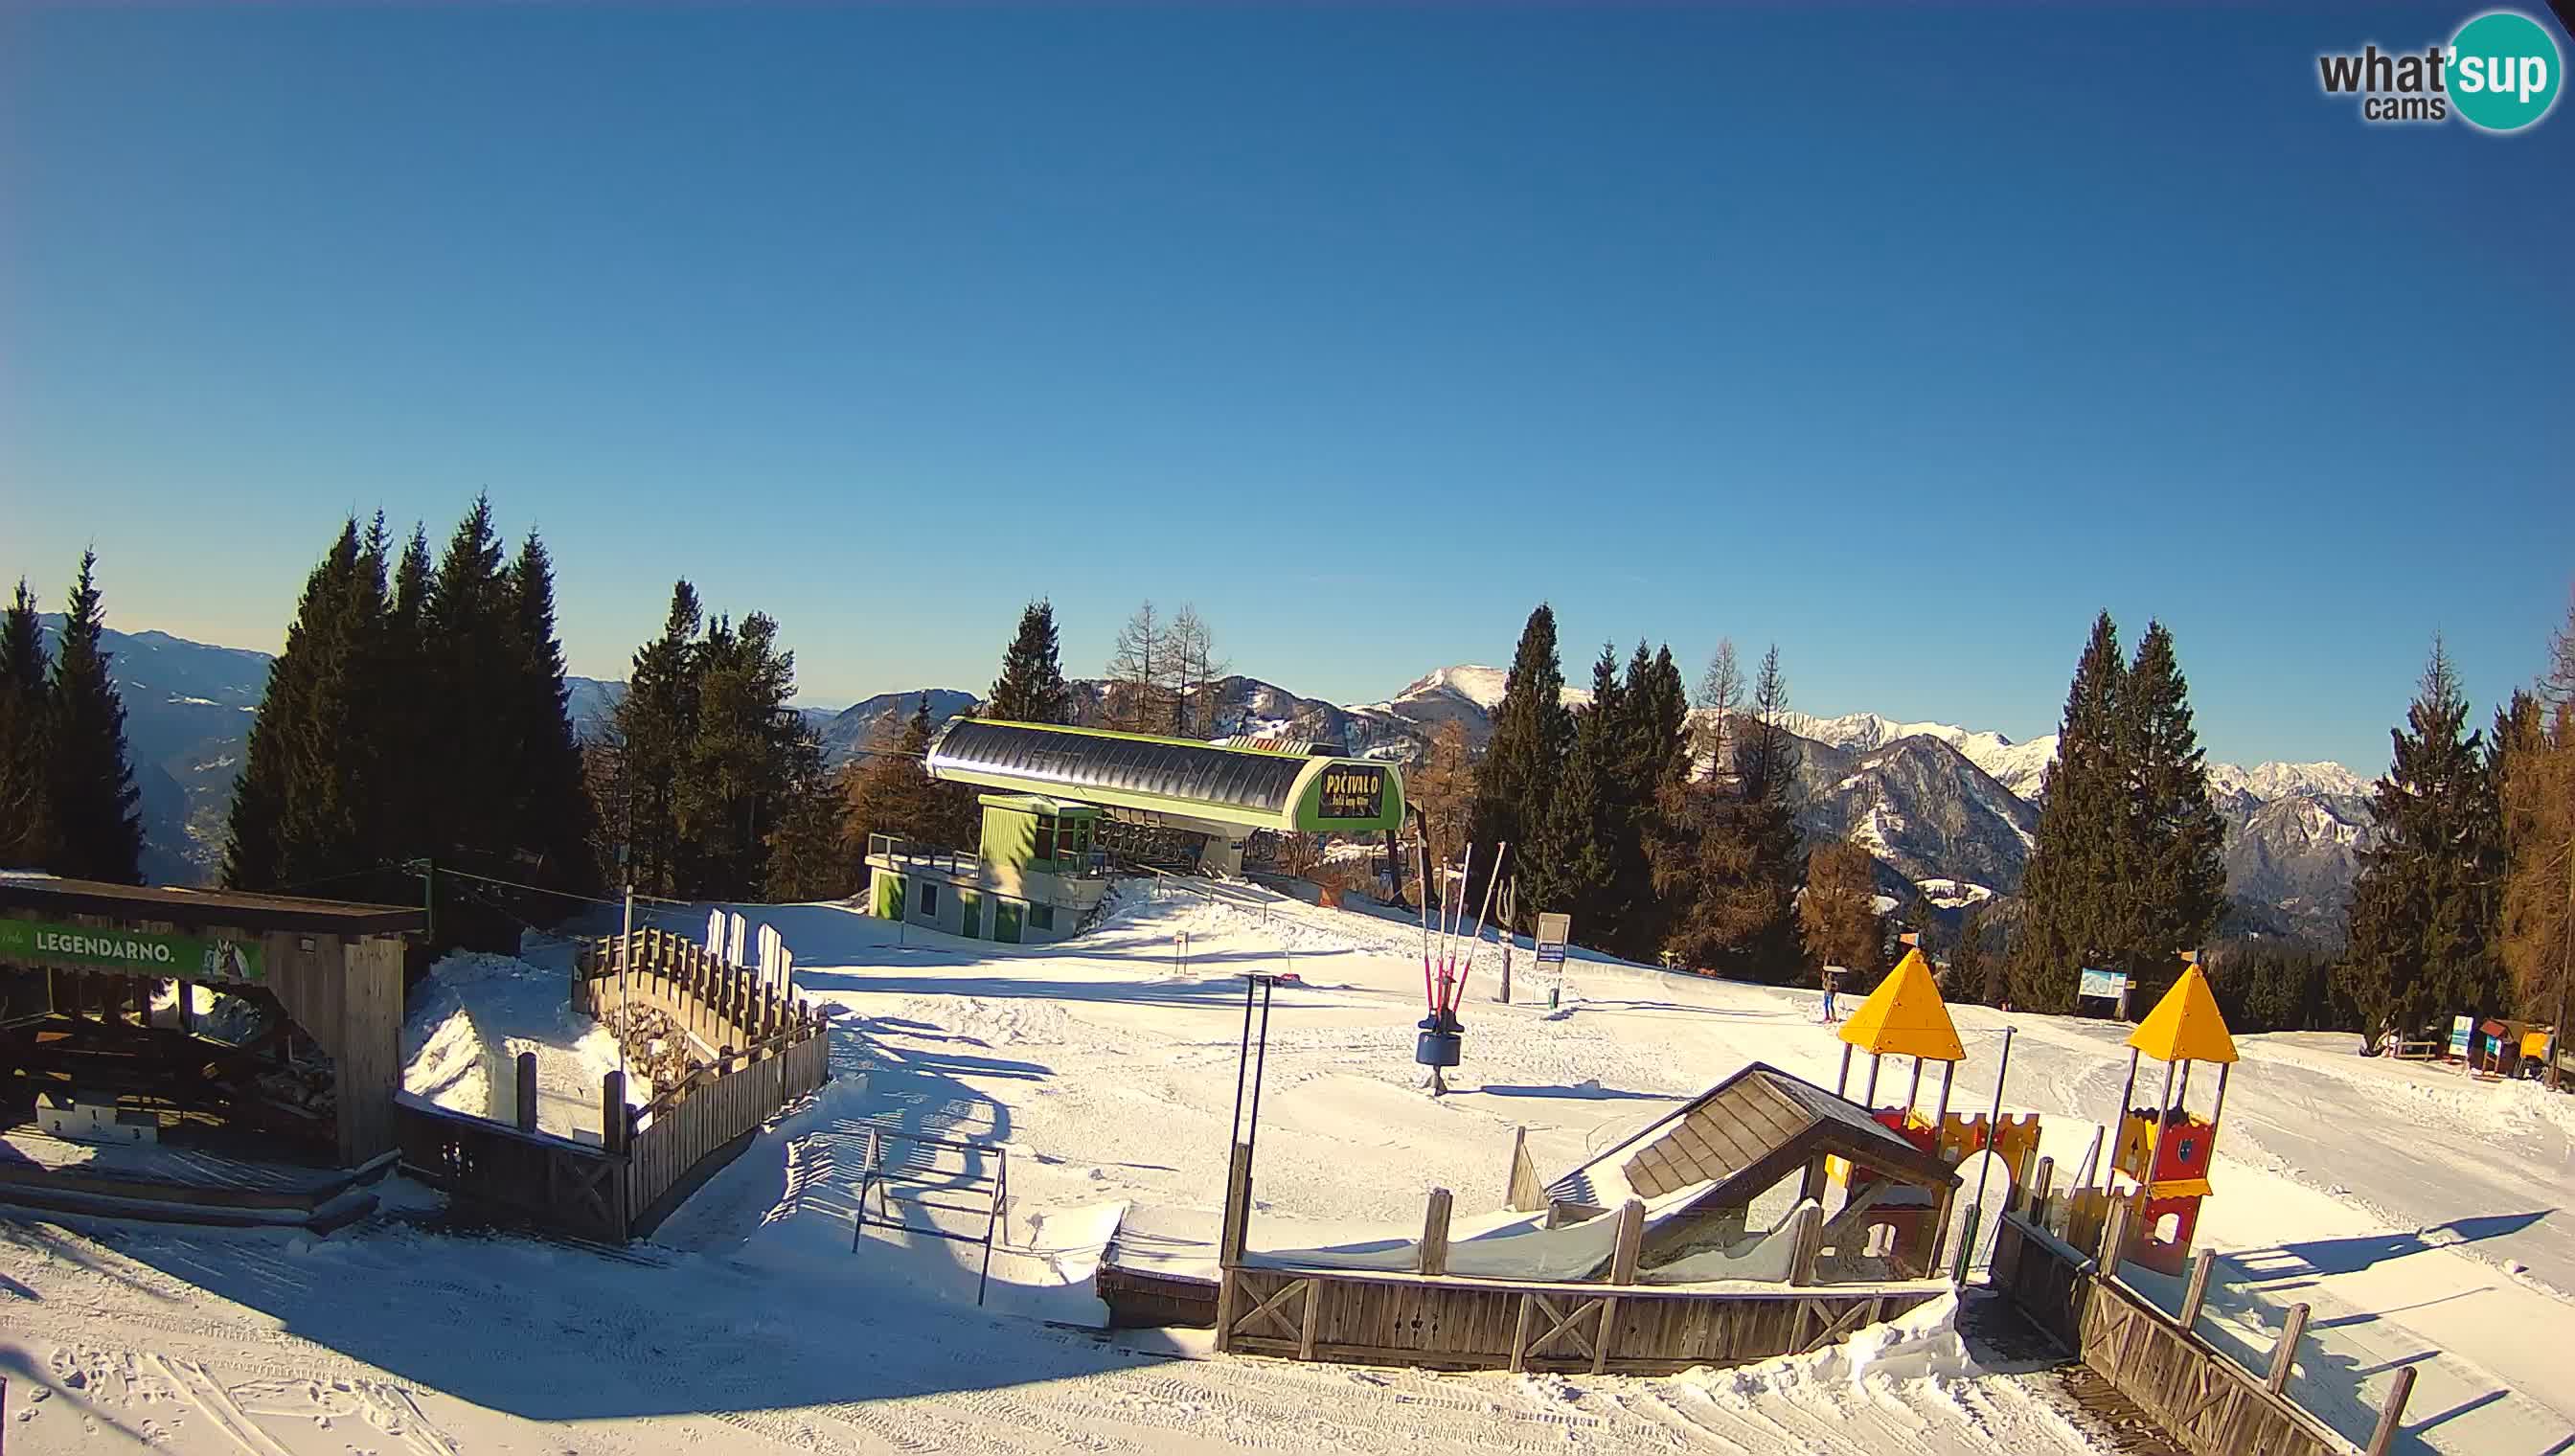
719,1004
761,1051
2202,1398
556,1183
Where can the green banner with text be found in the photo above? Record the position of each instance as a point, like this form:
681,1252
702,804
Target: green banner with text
134,953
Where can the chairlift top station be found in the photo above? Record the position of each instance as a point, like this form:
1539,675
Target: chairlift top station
1057,795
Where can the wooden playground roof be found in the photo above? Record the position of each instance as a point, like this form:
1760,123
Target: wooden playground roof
236,909
1742,1135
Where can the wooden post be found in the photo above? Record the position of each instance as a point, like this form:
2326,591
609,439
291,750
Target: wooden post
1811,1246
2034,1206
2392,1412
1520,1331
612,1112
1631,1242
2114,1236
1841,1079
1813,1185
527,1107
187,1006
2284,1355
2202,1264
1434,1234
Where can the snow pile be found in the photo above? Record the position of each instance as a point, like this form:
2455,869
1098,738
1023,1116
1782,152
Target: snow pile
1921,1345
470,1019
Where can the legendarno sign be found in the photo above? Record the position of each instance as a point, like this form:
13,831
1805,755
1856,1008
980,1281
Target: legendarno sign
134,953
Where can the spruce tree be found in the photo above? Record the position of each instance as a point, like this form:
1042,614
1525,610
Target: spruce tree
1031,688
25,839
734,773
553,809
476,714
305,802
1532,734
98,834
808,857
2074,900
26,789
654,724
2174,878
2427,904
1573,859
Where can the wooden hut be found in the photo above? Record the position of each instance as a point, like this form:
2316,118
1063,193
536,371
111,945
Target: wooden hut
87,1033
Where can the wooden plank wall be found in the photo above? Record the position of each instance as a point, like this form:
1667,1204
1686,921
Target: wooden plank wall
1447,1324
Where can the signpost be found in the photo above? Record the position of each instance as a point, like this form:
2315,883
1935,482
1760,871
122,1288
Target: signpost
1552,932
2461,1029
2104,986
135,952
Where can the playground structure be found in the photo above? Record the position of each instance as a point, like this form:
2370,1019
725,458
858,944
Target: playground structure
1646,1258
2164,1152
1905,1016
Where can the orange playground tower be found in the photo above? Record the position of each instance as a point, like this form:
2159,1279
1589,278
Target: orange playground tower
1905,1016
2165,1151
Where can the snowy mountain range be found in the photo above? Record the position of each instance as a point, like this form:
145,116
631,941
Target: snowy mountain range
1937,804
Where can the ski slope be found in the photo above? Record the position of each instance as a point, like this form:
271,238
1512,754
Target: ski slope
2398,1202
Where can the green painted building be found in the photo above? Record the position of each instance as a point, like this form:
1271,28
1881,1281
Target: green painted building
1039,870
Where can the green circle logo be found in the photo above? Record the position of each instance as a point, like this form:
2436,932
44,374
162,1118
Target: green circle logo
2505,72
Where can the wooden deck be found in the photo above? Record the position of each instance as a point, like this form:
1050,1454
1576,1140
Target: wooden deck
175,1184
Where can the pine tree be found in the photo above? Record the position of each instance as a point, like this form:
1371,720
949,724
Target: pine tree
1572,854
734,774
2074,900
26,789
1533,737
1031,688
654,724
1976,965
808,857
2174,877
551,809
2427,904
99,836
477,718
1837,915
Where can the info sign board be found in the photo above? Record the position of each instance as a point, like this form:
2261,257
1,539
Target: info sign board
1552,934
134,953
2461,1029
2108,985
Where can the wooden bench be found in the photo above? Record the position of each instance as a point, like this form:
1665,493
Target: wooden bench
2424,1049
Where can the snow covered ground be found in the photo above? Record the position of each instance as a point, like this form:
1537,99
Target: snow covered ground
2397,1199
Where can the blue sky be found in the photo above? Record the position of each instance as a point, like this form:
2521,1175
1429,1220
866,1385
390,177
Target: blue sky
1907,340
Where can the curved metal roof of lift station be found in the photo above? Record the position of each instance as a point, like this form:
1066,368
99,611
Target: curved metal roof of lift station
1252,788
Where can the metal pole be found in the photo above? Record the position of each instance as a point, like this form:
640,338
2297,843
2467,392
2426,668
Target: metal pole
625,955
1949,1074
1913,1093
1841,1079
1985,1170
1869,1098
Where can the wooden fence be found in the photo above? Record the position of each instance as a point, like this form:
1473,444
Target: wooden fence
764,1051
1450,1323
2201,1397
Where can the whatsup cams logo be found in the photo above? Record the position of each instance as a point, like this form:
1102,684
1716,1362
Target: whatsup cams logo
2500,73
